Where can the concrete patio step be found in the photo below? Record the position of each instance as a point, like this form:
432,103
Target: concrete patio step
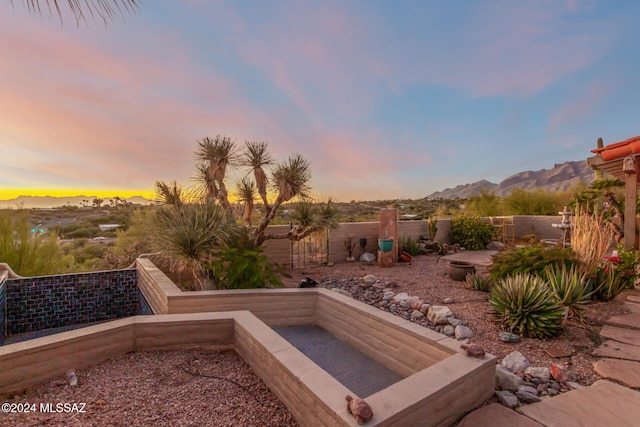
623,371
496,415
601,404
628,336
625,320
618,350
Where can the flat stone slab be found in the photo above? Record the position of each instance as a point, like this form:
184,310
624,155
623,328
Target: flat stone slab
623,371
602,404
633,307
628,336
496,415
626,320
481,258
633,298
618,350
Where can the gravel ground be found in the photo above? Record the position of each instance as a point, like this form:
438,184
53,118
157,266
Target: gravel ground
426,278
173,388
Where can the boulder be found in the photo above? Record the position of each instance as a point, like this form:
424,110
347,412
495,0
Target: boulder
462,332
538,372
439,314
507,380
515,361
367,257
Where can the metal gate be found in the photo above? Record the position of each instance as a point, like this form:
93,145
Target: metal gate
312,251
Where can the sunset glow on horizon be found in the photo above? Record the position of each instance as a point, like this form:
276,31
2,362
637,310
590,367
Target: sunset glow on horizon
386,100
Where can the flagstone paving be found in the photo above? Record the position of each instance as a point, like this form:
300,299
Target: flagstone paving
604,403
601,404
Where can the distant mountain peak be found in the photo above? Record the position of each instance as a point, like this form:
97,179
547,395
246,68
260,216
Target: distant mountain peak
559,178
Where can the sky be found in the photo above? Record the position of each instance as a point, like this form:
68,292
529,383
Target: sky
386,99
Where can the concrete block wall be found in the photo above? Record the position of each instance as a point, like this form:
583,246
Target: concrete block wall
538,225
3,304
376,334
279,251
38,303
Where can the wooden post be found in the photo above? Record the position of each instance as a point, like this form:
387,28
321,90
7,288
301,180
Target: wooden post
629,166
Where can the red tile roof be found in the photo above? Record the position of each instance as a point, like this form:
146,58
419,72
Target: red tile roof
619,149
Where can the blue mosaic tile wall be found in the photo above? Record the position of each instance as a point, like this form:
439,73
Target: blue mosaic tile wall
144,307
38,303
3,303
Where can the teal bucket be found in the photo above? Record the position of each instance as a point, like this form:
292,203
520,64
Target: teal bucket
385,245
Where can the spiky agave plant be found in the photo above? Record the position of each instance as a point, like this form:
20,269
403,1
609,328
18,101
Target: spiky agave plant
569,287
478,282
524,305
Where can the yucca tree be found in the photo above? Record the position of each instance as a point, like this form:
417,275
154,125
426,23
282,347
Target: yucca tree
190,234
217,155
256,156
290,179
171,194
246,191
105,9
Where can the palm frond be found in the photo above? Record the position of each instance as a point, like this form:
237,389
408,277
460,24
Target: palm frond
291,178
107,10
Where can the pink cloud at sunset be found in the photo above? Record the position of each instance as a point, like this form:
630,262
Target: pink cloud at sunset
382,99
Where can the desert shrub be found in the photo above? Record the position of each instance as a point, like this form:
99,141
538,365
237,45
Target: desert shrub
410,245
524,305
478,282
530,259
616,274
569,287
242,269
471,232
79,233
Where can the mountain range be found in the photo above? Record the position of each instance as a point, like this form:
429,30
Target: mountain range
560,178
41,202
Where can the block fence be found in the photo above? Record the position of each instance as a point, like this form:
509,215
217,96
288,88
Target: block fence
279,251
37,303
3,303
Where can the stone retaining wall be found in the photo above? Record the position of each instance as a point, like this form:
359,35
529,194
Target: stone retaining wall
3,304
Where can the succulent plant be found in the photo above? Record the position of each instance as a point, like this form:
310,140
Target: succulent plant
524,305
569,287
478,282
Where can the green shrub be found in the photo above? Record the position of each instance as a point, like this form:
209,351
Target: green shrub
524,305
530,259
569,287
478,282
410,244
243,269
609,283
471,232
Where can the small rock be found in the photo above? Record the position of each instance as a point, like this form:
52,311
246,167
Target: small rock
505,336
538,372
380,286
454,322
554,386
448,300
405,304
391,284
367,257
417,304
525,397
462,332
528,389
424,308
369,279
541,388
574,384
472,350
402,296
449,330
389,295
515,361
417,314
439,314
507,398
558,373
507,380
553,391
